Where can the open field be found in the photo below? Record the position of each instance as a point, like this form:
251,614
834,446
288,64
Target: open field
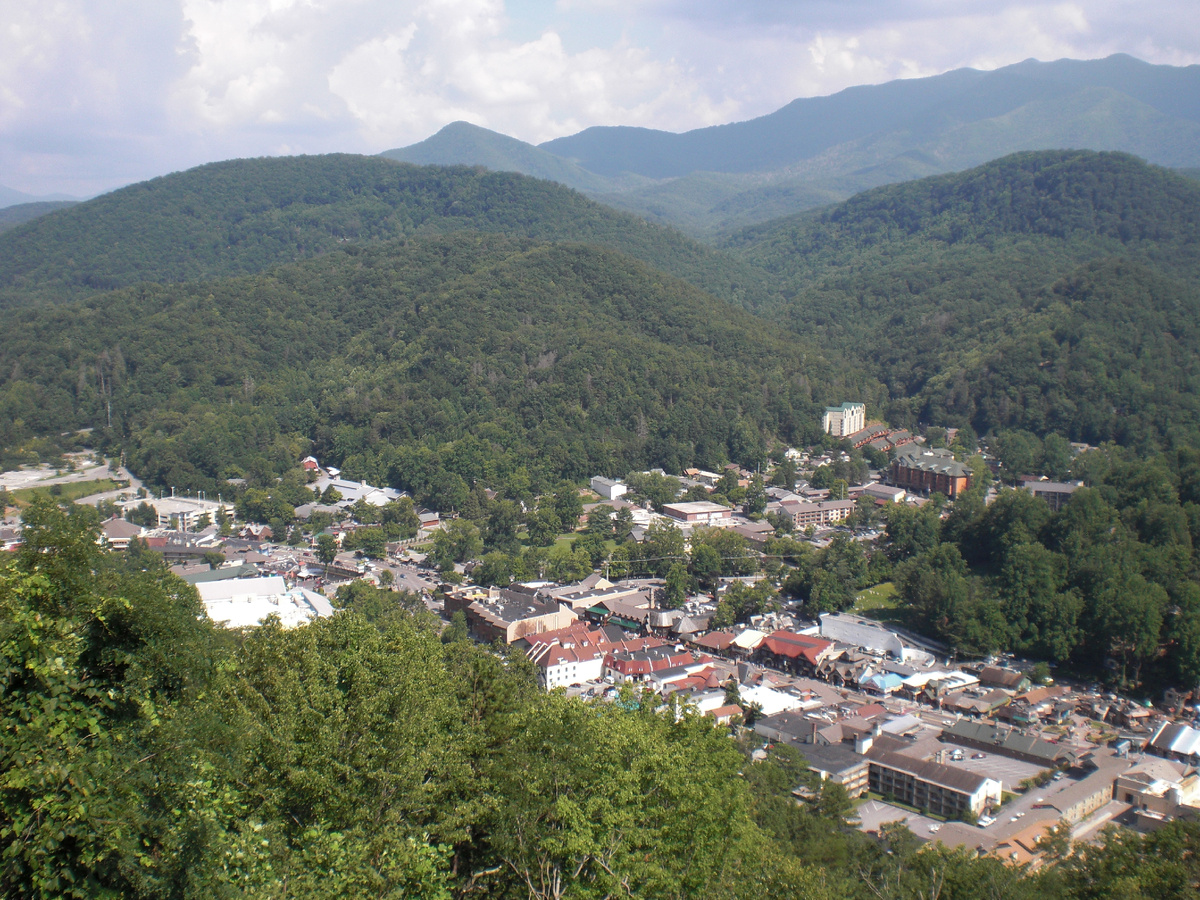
67,491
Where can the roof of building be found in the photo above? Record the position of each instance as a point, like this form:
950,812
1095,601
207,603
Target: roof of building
914,456
715,640
247,601
792,645
1006,738
831,759
696,507
1176,737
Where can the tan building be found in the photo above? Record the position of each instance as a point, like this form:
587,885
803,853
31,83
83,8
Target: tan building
844,420
700,512
824,512
508,614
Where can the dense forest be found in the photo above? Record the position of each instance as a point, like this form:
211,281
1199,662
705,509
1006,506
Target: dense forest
475,354
246,216
1046,291
149,754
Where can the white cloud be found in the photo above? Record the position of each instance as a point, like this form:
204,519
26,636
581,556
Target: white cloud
92,95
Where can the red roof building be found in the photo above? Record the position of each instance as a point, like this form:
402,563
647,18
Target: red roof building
792,650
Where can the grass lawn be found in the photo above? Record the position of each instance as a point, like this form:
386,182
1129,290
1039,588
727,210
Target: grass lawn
70,491
882,603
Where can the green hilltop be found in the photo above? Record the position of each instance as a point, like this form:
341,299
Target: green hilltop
246,216
937,286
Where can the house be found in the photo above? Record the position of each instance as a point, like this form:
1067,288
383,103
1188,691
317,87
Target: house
116,533
844,420
1009,679
929,471
609,488
724,715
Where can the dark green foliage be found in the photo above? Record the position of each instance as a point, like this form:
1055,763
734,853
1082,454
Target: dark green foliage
246,216
12,216
420,365
1050,292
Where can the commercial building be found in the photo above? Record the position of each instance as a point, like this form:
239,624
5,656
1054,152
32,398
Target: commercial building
1056,493
508,614
700,512
1007,742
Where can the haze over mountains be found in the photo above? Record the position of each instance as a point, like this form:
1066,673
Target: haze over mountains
817,150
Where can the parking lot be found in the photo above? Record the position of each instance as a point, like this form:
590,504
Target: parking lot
875,813
1009,772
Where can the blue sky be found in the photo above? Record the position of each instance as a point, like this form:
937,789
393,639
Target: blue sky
94,96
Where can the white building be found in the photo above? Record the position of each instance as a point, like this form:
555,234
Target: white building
700,512
182,513
844,420
353,491
608,488
245,602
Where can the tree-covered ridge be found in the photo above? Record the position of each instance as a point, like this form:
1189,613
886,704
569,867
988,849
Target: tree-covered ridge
246,216
1042,291
1068,194
19,214
566,358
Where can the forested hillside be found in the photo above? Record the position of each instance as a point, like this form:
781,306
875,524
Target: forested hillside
1049,291
494,352
246,216
12,216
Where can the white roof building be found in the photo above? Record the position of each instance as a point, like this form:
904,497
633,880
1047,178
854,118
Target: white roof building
245,602
770,700
353,491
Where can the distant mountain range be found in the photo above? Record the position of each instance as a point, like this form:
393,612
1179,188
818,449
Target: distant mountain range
10,197
815,151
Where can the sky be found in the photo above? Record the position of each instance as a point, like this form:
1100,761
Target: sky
97,95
